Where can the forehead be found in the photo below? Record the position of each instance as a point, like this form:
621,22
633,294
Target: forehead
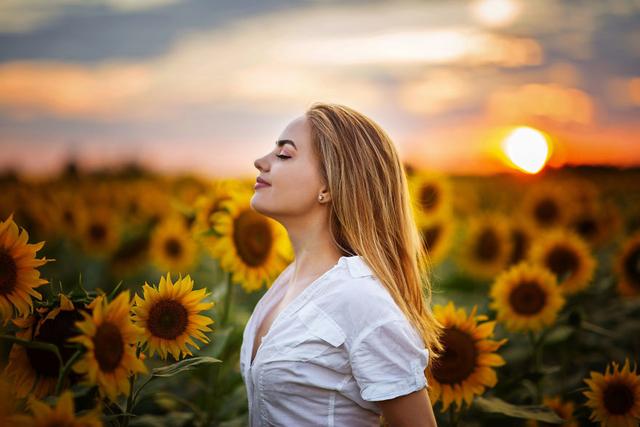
299,131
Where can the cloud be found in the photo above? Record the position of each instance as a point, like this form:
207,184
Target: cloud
28,90
20,16
276,60
436,92
534,100
623,92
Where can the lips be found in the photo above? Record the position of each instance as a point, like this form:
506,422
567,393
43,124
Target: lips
262,181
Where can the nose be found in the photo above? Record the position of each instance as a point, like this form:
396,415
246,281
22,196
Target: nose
261,163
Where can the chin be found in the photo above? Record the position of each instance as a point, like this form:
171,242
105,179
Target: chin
256,206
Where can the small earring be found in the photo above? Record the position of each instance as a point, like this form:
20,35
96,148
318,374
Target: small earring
321,197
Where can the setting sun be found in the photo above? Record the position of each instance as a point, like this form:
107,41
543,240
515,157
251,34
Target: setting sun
527,149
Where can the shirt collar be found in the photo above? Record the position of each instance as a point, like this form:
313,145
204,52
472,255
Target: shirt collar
357,266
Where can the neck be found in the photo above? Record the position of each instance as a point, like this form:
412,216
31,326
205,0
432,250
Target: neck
313,246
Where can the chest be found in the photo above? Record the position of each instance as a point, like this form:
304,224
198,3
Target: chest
307,333
268,319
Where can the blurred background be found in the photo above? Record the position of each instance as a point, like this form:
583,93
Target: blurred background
128,132
181,85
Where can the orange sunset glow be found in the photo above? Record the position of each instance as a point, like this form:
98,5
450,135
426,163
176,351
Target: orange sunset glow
441,77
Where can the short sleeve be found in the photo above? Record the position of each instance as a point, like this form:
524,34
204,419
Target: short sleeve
388,360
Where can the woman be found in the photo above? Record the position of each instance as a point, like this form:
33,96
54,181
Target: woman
344,334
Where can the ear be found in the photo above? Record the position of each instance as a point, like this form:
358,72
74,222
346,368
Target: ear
327,197
325,192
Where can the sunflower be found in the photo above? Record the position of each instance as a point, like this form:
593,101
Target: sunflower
172,247
522,235
437,234
584,193
170,316
70,212
431,193
100,231
563,409
614,397
145,202
110,340
62,414
547,206
204,206
253,247
587,223
464,369
488,245
131,255
36,371
627,266
526,297
18,273
33,214
568,256
611,220
208,204
188,188
465,201
97,192
9,409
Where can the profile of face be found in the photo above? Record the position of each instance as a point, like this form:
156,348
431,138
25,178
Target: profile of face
292,170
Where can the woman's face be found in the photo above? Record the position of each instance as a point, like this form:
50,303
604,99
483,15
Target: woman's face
292,170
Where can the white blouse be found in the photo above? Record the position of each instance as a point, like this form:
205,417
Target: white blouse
341,345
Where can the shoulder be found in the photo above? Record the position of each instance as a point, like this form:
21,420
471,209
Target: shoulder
356,299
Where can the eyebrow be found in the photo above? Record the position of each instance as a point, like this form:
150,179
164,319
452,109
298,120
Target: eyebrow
282,142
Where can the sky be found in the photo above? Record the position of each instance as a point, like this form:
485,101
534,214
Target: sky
208,86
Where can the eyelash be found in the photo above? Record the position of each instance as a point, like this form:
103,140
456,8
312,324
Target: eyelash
283,157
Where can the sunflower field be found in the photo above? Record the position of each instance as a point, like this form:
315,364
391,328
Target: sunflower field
124,296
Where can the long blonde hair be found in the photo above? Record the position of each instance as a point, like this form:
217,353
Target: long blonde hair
372,214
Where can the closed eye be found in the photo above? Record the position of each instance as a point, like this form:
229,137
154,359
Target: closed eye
282,156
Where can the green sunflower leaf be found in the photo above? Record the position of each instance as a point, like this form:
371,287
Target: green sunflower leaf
183,366
528,412
36,345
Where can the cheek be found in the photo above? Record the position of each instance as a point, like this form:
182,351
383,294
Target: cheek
296,184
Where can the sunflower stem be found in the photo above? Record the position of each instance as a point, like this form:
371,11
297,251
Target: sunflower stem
35,344
65,370
537,362
227,301
453,420
132,380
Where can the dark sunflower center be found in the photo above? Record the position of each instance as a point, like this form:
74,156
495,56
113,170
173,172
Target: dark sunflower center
562,261
586,226
168,319
173,247
431,236
546,212
134,207
519,240
429,197
618,398
631,266
252,238
458,361
97,232
109,346
527,298
53,331
487,245
8,273
68,218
